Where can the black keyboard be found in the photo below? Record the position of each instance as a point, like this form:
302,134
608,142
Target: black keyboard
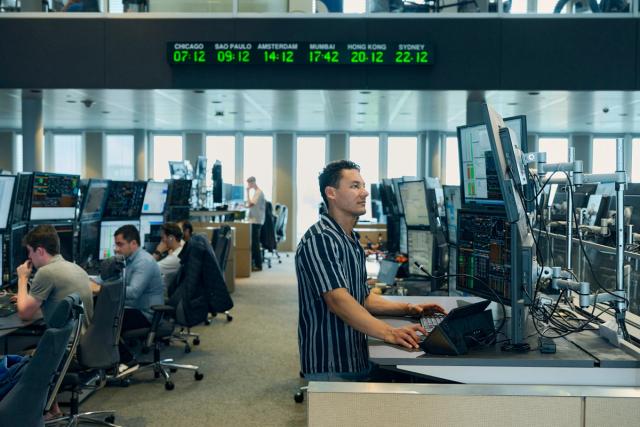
7,308
430,322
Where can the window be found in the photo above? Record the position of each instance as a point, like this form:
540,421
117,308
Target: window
518,6
18,157
67,154
547,6
402,153
310,160
223,148
452,162
354,6
365,151
165,148
258,162
635,160
557,149
118,158
603,155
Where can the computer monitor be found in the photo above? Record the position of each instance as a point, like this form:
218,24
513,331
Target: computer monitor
22,199
237,193
420,249
388,198
65,234
88,243
226,192
396,192
179,192
54,196
94,199
177,169
3,281
452,206
125,200
17,254
413,195
146,222
107,240
155,198
7,184
201,169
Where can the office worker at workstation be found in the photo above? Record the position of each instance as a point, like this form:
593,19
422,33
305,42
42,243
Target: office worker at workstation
336,309
170,245
143,282
54,280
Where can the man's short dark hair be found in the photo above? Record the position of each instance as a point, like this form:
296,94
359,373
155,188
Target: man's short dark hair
172,229
129,233
186,225
43,236
331,174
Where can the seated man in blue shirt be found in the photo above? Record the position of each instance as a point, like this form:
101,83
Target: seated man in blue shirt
143,281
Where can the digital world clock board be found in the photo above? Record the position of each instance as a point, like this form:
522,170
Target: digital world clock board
300,53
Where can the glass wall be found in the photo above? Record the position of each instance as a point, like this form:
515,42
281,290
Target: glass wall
165,148
365,151
258,162
402,159
310,159
603,155
118,157
557,149
451,161
67,154
223,148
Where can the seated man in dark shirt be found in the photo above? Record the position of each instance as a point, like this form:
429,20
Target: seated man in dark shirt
336,310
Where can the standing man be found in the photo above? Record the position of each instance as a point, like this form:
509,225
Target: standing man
336,310
55,279
257,207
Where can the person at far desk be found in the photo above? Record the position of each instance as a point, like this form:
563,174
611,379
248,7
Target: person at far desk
171,244
257,211
336,310
55,278
143,282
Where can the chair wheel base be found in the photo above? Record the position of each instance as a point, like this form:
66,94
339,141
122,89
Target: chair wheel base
196,341
169,386
110,419
198,376
298,397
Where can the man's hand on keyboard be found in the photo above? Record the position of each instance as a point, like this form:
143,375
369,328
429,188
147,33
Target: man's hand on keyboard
424,309
405,336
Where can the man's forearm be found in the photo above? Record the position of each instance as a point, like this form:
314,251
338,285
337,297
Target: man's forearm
356,316
378,305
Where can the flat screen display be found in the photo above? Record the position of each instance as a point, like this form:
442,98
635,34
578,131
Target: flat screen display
155,198
107,240
54,196
7,182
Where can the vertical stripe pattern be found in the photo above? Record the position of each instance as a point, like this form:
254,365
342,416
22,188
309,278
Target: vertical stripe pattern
328,259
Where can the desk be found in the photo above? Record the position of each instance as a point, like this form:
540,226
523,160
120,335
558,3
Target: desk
581,359
204,216
10,324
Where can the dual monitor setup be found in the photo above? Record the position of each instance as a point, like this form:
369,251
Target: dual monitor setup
220,192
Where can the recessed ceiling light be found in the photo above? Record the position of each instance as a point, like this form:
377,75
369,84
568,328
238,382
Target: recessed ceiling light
216,102
512,103
534,93
198,91
106,112
588,123
232,112
361,113
623,114
36,91
136,121
365,92
71,101
363,103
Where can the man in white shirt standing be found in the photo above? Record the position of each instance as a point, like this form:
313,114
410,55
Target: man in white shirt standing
171,242
257,207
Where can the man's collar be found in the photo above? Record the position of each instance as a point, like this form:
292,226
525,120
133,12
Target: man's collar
328,219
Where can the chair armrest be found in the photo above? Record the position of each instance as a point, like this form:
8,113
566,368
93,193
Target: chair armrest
163,308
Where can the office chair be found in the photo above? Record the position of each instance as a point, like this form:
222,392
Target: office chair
154,337
36,390
268,234
282,212
97,352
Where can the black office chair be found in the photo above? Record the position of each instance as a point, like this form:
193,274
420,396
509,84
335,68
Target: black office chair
154,337
268,240
35,392
281,213
97,353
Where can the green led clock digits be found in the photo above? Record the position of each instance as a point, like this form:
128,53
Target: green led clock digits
329,56
285,56
408,57
196,56
226,56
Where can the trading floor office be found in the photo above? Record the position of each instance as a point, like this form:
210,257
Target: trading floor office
112,77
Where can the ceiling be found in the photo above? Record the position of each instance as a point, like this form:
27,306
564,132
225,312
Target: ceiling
319,110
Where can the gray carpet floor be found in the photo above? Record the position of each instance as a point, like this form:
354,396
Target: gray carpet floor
250,366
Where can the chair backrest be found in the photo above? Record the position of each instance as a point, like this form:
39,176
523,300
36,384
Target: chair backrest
98,348
25,403
225,249
281,223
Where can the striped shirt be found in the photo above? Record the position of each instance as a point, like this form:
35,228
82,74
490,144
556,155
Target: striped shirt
328,259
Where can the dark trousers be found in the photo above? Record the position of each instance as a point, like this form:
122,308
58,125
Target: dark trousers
256,253
132,319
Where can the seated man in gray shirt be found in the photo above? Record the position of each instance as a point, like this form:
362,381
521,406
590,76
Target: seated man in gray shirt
54,280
